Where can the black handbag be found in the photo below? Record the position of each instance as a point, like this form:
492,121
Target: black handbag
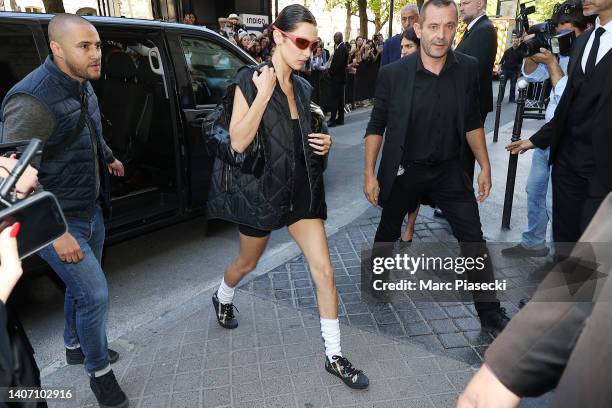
215,129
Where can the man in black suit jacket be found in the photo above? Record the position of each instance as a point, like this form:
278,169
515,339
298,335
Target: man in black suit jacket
337,75
579,134
427,107
479,41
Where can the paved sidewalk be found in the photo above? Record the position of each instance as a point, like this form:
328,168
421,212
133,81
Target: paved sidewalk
417,354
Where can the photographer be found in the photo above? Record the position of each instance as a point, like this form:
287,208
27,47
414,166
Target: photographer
56,103
579,133
538,68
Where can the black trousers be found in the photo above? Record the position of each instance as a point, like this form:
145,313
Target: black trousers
576,198
512,77
449,187
468,160
337,107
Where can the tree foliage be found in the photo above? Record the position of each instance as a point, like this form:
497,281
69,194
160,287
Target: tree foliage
544,9
379,10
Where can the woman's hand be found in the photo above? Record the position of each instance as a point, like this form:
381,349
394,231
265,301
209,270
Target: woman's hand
320,143
10,265
265,81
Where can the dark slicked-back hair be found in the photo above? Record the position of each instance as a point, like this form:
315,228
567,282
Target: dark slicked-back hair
439,4
291,16
58,25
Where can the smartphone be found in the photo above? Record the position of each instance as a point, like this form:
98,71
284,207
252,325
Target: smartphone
42,222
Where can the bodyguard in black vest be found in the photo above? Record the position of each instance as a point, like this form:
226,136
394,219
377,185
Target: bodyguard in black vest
56,103
580,134
426,106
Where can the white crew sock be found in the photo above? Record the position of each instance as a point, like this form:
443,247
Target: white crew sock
225,294
330,331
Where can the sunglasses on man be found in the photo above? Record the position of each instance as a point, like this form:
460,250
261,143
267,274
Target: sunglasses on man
301,43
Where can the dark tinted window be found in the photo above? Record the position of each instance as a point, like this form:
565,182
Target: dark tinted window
18,55
211,67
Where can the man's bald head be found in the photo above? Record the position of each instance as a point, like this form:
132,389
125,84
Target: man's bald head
75,45
62,24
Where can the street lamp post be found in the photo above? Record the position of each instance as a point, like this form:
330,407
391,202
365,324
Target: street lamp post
500,99
512,163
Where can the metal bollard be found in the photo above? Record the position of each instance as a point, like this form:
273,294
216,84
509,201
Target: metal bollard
500,100
516,135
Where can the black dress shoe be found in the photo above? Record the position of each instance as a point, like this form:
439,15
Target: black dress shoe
332,123
76,356
494,321
519,251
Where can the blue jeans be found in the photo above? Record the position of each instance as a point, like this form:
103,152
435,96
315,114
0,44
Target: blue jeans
86,298
539,200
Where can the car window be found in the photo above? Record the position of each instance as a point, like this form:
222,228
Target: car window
18,55
211,68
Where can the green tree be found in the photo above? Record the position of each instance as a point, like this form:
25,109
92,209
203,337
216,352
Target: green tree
544,10
54,6
351,8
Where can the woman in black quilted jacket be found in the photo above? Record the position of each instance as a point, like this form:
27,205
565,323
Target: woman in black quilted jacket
276,102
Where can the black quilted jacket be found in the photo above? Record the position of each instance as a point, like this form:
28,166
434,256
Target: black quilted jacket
265,202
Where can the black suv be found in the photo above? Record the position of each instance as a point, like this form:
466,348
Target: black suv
158,81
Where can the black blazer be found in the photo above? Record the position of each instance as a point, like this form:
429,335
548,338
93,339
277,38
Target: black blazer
337,68
481,43
393,104
552,133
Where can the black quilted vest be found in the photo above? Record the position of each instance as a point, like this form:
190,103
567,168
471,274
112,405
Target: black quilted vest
69,173
265,202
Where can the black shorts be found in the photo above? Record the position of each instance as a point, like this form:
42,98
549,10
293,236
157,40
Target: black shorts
257,233
301,203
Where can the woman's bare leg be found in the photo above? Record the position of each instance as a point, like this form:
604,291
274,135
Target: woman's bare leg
251,249
310,237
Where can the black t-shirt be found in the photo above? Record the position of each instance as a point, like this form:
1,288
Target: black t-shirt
512,60
432,133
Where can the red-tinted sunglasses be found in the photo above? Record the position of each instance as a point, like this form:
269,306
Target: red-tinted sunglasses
301,43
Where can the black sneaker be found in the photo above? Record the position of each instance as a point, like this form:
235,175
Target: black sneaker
76,356
438,213
494,321
343,369
519,251
108,392
225,313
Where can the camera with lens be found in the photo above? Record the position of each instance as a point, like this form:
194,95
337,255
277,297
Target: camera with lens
546,36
